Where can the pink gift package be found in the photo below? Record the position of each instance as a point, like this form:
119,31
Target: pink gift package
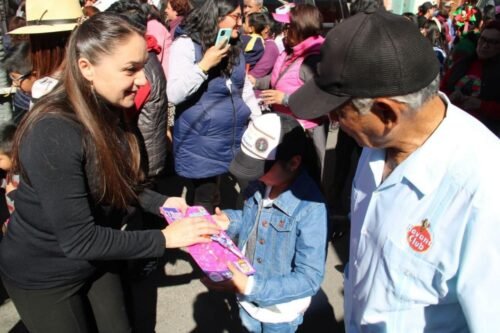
212,257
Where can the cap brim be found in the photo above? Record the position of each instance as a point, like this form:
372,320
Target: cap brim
310,101
247,168
282,18
42,29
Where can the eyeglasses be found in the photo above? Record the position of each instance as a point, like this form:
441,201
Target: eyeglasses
17,81
236,17
489,41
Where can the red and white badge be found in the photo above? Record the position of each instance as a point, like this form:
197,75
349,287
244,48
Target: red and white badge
419,236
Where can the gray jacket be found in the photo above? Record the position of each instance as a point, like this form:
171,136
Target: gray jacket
152,120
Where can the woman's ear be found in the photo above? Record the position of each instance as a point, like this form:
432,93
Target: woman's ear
86,68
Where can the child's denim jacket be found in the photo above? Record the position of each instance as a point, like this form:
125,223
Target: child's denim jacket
290,248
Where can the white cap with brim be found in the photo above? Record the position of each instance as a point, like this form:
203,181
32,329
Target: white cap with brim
50,16
268,138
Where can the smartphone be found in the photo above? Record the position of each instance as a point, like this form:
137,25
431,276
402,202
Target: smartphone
223,34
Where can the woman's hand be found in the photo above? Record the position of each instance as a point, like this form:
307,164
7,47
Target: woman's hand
272,96
237,284
221,219
189,231
214,55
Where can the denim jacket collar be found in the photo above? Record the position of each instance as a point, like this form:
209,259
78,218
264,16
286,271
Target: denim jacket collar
287,201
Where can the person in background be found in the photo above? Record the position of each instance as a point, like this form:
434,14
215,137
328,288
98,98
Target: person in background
55,21
446,22
60,256
10,181
213,99
425,12
472,82
175,11
256,26
468,21
281,229
266,63
20,69
252,6
425,194
295,66
431,30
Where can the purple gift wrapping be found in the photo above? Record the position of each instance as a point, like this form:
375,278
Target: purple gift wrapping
212,257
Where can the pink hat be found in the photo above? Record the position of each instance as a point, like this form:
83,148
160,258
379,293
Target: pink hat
282,14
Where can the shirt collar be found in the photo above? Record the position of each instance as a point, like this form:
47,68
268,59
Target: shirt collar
425,166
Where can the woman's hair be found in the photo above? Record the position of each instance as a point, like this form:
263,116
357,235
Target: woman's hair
495,24
305,21
18,60
411,17
48,51
434,35
201,25
259,21
112,159
182,7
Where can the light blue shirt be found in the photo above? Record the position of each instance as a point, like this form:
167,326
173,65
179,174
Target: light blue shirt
444,278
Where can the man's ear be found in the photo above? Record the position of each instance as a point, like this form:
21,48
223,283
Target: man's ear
294,163
86,68
388,111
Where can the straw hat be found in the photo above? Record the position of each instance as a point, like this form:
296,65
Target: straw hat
50,16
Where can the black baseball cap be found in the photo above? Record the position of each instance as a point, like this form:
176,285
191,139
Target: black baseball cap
371,54
268,138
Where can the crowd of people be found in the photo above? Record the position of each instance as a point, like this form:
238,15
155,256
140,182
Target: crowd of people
109,92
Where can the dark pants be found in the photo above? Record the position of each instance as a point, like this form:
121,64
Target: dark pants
206,191
74,307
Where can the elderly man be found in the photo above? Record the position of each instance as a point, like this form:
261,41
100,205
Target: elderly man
252,6
424,249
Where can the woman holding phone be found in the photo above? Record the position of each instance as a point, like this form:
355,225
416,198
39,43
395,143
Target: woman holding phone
213,98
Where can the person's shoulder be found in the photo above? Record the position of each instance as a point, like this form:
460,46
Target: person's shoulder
56,129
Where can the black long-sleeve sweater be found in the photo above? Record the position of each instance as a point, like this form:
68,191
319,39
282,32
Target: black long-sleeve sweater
57,235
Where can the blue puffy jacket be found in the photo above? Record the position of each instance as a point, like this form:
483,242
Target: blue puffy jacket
208,130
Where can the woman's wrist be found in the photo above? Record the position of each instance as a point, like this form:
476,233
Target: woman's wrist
203,68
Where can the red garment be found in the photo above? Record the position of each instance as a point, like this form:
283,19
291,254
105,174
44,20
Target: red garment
152,44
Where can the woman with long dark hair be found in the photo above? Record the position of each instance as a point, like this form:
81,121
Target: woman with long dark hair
207,84
80,183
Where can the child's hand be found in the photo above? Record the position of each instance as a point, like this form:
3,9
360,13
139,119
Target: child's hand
221,219
176,202
237,284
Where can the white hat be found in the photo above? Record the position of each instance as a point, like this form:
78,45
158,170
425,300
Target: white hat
270,137
44,16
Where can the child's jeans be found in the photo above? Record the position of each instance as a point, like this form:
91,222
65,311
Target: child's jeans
254,326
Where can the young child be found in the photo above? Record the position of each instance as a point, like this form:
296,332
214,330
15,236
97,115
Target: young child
9,183
282,228
256,24
18,65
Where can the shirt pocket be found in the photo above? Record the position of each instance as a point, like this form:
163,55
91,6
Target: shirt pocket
281,241
410,279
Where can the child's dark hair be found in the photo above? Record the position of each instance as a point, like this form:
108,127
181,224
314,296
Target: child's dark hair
259,21
19,60
7,131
